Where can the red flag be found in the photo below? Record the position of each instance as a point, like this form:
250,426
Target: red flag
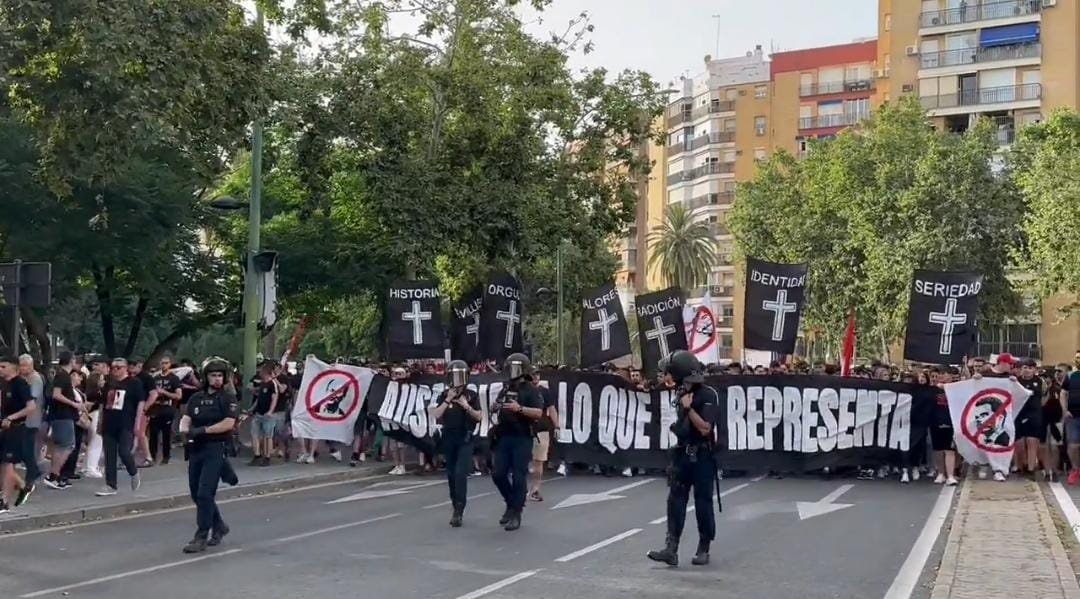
848,359
294,342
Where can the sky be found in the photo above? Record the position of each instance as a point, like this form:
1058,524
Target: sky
670,38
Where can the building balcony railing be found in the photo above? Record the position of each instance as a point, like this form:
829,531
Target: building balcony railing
963,56
830,120
980,12
719,229
987,95
836,87
679,118
716,137
713,108
723,198
711,168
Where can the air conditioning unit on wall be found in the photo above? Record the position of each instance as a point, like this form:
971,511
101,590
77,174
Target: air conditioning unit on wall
1049,3
911,51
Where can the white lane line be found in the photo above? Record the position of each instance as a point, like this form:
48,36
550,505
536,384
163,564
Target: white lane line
723,493
491,588
94,581
446,503
908,576
313,533
615,539
1068,507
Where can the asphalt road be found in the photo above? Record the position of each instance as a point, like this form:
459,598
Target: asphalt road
388,538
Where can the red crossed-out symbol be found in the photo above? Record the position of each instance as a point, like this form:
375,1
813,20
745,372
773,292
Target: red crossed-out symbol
339,396
705,322
976,436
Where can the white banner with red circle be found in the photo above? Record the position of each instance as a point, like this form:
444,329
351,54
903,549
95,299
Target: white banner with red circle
983,413
330,399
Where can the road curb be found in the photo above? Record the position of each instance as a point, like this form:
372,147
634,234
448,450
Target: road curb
947,570
106,512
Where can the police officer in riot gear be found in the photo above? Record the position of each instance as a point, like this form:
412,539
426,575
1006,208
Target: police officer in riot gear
207,424
518,406
458,410
693,464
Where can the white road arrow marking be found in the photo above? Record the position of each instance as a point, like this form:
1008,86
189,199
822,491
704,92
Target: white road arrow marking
587,498
371,494
809,509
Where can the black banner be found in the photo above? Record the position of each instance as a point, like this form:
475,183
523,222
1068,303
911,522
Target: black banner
414,321
501,318
660,326
604,335
941,316
774,300
788,423
465,328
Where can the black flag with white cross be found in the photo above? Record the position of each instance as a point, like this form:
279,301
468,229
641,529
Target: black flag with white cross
604,335
774,300
941,316
414,321
501,318
660,326
465,330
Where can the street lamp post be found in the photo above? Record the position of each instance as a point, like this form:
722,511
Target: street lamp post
251,300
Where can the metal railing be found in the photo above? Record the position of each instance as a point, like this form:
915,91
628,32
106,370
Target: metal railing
713,108
830,120
715,137
949,58
980,12
679,117
836,87
986,95
723,198
711,168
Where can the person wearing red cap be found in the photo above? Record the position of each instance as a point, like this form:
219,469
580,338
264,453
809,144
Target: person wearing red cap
1002,369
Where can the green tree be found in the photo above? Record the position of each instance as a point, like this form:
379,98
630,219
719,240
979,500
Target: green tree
869,207
684,248
1046,166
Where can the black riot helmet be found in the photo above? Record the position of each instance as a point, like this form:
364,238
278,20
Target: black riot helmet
215,364
517,366
685,368
457,373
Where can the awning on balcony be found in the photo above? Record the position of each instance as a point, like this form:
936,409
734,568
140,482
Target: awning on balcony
1024,33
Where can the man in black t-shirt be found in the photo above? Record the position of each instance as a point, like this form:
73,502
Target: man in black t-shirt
16,405
457,409
162,410
518,406
267,395
1030,430
137,371
123,407
542,444
63,413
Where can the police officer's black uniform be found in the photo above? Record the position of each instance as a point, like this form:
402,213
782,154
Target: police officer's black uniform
519,406
206,453
458,425
693,464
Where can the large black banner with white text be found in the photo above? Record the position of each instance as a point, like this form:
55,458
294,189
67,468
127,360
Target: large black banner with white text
941,316
660,326
604,334
414,321
465,328
501,318
788,423
774,299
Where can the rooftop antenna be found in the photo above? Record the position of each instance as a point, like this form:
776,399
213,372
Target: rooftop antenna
718,23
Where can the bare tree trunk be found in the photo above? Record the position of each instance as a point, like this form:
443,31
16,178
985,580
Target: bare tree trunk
884,347
136,325
37,330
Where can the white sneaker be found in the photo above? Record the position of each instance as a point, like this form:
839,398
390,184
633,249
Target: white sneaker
983,472
136,482
940,479
106,491
336,455
476,473
561,470
999,476
628,472
904,477
883,472
301,459
915,474
309,459
400,470
94,474
951,482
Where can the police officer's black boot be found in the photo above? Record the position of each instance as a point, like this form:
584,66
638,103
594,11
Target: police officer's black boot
701,558
217,535
669,554
514,522
455,520
197,545
505,517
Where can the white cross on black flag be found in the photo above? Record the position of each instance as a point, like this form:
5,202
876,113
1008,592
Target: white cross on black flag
413,321
941,316
604,335
660,326
501,318
774,300
465,330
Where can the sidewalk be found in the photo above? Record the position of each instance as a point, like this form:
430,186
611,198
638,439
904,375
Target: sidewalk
165,487
1003,543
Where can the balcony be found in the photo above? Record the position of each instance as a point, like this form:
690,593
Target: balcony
724,198
679,118
714,107
716,137
711,168
830,120
719,229
965,56
986,96
822,88
980,12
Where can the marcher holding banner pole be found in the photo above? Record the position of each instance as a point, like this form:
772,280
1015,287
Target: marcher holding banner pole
692,462
458,410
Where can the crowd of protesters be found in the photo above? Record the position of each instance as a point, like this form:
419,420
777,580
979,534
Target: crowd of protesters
83,418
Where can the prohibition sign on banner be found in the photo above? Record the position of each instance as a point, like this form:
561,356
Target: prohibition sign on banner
705,323
332,396
987,424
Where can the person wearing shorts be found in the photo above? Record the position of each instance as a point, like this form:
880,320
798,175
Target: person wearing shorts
263,421
1030,429
16,405
542,444
941,432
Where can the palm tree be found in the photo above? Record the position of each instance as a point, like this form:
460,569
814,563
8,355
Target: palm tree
684,248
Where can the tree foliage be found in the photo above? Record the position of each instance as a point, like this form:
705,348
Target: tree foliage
683,247
869,207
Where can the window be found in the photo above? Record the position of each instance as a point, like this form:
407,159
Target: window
731,94
729,155
806,111
887,23
761,91
759,125
1020,340
714,219
759,154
